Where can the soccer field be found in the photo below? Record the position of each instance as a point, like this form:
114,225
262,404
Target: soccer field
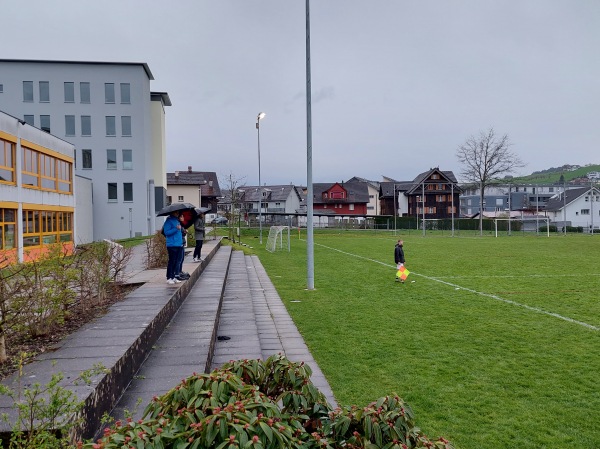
494,342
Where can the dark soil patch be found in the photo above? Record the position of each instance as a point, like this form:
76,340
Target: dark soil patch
79,314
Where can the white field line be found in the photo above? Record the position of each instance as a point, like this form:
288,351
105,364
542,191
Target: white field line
487,295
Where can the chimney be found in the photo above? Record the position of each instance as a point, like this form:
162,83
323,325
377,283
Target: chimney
189,168
177,174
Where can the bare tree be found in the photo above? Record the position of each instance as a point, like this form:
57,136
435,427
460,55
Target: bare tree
485,158
233,190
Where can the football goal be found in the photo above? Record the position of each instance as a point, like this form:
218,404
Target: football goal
522,225
277,234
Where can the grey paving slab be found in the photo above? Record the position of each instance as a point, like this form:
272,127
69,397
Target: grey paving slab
186,344
268,302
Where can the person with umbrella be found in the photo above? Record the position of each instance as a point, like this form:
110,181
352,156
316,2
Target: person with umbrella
199,233
174,238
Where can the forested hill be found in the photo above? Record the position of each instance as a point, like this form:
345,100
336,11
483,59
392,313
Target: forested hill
553,175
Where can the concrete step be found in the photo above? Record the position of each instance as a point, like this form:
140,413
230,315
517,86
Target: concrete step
186,345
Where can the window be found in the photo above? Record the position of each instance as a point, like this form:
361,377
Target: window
109,92
111,159
1,88
86,125
86,158
44,92
110,126
126,126
551,189
64,175
69,92
127,160
69,125
28,91
8,225
499,201
42,227
587,199
29,119
7,161
351,207
585,211
45,123
180,198
125,93
47,172
112,192
128,192
84,92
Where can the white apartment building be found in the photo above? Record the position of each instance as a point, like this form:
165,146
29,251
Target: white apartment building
108,112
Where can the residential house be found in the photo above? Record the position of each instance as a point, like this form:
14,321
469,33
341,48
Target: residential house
278,201
37,202
116,124
391,189
347,198
578,207
374,206
439,189
200,188
500,199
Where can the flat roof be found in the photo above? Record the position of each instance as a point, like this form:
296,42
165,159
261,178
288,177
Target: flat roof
54,61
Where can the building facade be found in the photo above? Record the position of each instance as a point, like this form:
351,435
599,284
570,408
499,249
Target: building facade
580,207
200,188
116,124
37,201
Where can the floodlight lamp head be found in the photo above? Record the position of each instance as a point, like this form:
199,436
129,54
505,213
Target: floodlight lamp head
261,115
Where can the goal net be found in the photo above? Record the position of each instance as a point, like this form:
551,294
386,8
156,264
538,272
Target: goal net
508,225
277,235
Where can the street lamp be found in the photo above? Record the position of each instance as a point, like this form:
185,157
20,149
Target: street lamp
260,116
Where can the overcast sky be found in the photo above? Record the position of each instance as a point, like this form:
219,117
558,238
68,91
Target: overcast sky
397,85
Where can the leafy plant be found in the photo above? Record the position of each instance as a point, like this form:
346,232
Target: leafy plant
262,405
46,414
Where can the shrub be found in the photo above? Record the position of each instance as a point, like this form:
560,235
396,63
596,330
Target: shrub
261,405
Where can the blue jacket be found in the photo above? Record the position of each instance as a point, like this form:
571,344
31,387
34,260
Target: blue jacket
172,234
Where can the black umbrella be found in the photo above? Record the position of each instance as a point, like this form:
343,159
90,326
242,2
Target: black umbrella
173,208
202,210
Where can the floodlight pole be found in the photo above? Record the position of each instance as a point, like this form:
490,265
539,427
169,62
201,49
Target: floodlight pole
564,206
395,210
592,205
509,214
452,206
310,263
423,202
258,119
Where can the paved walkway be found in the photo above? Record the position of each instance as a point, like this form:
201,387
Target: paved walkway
163,333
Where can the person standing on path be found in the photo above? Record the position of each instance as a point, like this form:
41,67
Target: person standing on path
399,257
199,235
179,273
172,232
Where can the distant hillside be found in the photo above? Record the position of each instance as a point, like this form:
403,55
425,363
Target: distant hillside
552,175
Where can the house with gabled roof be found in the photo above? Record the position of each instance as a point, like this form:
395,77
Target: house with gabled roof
200,188
438,188
576,207
346,198
276,199
374,206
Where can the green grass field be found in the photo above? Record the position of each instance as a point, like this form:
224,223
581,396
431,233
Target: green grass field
494,342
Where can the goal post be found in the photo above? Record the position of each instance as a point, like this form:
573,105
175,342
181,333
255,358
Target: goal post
276,238
521,222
